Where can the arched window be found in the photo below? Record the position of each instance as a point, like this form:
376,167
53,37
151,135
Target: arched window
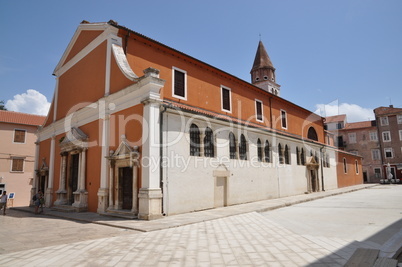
259,149
302,157
297,155
287,155
194,140
312,134
243,148
267,152
209,150
280,153
232,145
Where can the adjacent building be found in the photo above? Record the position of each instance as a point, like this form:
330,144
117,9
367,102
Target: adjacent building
17,154
389,123
361,138
140,129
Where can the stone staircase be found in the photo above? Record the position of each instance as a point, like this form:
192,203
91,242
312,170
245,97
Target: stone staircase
367,257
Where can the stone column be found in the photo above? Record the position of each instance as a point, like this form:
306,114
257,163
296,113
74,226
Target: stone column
62,192
111,181
81,195
35,172
103,190
150,195
49,189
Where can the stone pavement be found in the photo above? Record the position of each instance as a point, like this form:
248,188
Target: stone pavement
199,216
206,238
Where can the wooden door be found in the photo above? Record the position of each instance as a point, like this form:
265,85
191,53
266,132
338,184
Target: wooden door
126,187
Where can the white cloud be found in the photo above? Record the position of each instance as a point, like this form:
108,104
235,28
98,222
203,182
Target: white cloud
31,102
354,113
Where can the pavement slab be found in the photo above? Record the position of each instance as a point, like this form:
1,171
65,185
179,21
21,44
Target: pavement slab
264,233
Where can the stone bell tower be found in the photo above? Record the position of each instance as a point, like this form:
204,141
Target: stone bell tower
263,72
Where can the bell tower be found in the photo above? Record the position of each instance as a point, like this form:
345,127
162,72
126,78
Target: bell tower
263,72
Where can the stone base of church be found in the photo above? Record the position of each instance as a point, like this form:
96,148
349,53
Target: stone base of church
150,203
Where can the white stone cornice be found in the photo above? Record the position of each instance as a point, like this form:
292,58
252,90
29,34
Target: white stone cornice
109,31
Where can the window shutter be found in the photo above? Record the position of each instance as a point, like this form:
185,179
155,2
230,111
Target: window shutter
179,83
259,111
225,99
19,136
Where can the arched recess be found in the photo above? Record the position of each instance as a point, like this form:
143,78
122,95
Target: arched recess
312,134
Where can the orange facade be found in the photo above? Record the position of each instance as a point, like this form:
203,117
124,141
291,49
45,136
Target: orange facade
349,169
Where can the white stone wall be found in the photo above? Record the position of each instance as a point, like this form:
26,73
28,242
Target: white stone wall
189,182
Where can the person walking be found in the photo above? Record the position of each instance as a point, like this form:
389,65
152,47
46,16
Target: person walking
38,201
3,202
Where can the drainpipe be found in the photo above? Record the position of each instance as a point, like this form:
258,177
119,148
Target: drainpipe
270,112
161,154
322,167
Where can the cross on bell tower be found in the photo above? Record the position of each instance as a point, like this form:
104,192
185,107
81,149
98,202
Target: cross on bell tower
263,71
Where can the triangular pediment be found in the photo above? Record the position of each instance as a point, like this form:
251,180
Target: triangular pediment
44,165
75,134
311,162
124,149
74,139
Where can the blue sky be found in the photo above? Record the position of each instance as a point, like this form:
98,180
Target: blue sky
343,54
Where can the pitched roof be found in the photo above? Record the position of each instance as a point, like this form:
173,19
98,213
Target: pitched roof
358,125
21,118
387,110
335,118
262,59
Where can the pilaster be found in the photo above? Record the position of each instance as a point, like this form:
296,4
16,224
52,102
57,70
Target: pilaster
150,195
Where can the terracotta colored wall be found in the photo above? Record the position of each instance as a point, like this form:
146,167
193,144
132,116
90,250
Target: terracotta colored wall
82,41
84,83
351,177
44,152
117,79
203,88
93,162
129,123
49,118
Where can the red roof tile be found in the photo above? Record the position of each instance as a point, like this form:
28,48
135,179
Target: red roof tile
387,111
335,118
357,125
21,118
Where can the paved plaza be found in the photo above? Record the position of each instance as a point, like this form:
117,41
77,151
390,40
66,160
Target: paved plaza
320,229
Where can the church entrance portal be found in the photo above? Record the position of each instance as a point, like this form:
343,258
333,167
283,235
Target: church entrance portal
126,187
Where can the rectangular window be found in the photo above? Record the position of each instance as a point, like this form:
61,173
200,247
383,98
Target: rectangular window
179,83
388,153
386,136
399,118
17,165
226,99
373,136
377,172
400,135
384,121
357,167
258,110
352,138
375,153
283,119
19,136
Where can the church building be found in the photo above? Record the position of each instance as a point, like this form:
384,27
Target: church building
141,130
